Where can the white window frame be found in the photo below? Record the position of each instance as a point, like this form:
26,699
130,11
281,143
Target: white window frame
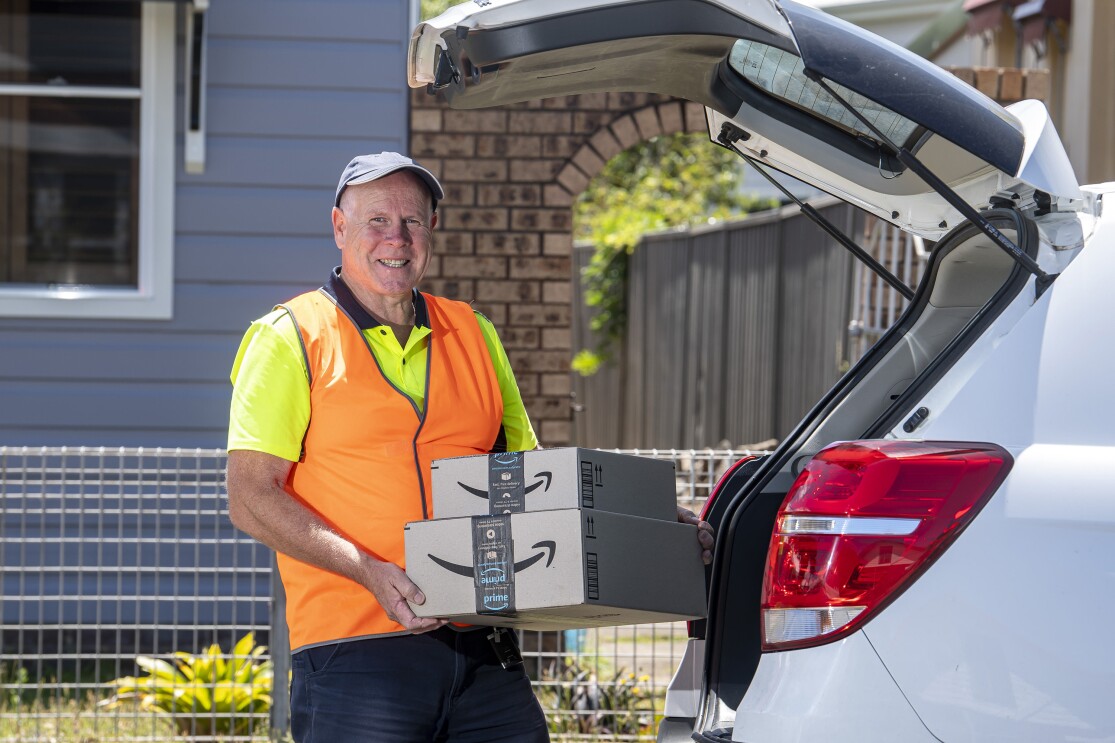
153,297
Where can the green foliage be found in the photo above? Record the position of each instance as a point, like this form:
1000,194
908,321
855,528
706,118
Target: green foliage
586,362
579,703
209,694
13,679
669,181
432,8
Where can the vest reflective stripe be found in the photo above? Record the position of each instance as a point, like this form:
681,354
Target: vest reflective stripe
366,464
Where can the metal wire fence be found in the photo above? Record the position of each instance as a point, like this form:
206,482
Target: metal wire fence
134,611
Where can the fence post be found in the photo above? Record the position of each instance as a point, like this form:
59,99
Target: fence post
280,657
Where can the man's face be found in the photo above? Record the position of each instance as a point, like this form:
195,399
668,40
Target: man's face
383,229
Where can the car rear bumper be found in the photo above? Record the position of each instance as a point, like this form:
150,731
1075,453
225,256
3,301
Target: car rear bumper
839,693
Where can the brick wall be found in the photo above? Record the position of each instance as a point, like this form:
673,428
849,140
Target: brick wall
504,241
1006,84
511,174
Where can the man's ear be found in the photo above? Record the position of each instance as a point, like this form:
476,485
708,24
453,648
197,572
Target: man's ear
339,228
433,220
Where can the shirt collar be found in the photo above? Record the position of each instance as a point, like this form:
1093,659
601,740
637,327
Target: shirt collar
336,288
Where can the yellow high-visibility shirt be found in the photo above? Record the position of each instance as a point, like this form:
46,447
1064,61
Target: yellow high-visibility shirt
271,392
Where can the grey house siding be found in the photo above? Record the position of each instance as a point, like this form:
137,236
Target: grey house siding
295,88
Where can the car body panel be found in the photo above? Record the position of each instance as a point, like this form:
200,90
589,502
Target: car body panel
1004,636
1054,344
837,692
685,687
659,46
1045,164
509,52
595,19
904,199
1021,654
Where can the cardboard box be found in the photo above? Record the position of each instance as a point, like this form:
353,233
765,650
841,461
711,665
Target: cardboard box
551,570
551,479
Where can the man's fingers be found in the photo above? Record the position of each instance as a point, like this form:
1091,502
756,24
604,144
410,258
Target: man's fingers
706,537
686,516
411,592
425,625
393,590
405,616
396,582
405,587
399,610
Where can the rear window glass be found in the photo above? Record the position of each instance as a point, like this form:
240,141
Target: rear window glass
780,74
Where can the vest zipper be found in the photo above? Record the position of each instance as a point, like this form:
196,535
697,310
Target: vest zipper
421,423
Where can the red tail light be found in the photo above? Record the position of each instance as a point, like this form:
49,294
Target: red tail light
859,524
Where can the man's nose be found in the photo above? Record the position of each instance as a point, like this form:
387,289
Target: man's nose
397,232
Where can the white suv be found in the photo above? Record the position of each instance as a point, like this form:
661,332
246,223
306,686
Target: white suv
928,556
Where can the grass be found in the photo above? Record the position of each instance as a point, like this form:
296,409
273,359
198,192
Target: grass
69,721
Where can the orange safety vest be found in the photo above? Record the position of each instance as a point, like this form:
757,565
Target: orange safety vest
366,459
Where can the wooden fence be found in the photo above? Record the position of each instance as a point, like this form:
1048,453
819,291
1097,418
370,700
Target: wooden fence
733,331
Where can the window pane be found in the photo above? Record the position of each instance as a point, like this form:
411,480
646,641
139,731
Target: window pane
61,42
782,75
71,172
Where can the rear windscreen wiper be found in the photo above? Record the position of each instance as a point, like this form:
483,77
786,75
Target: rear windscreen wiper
908,159
730,133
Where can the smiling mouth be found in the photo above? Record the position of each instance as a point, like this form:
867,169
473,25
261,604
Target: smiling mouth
393,264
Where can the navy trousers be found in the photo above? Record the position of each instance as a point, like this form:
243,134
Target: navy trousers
444,686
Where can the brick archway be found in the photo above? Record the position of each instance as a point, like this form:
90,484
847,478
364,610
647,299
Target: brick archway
505,242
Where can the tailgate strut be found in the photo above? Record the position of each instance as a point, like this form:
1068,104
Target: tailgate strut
730,133
908,159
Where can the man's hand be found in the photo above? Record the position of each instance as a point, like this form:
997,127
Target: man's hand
393,588
705,535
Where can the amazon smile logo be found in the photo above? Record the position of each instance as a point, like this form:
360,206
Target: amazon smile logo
548,549
544,480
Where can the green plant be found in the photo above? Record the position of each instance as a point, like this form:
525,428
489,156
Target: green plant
208,694
12,681
582,704
431,8
668,181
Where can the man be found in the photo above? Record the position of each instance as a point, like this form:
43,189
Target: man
342,398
